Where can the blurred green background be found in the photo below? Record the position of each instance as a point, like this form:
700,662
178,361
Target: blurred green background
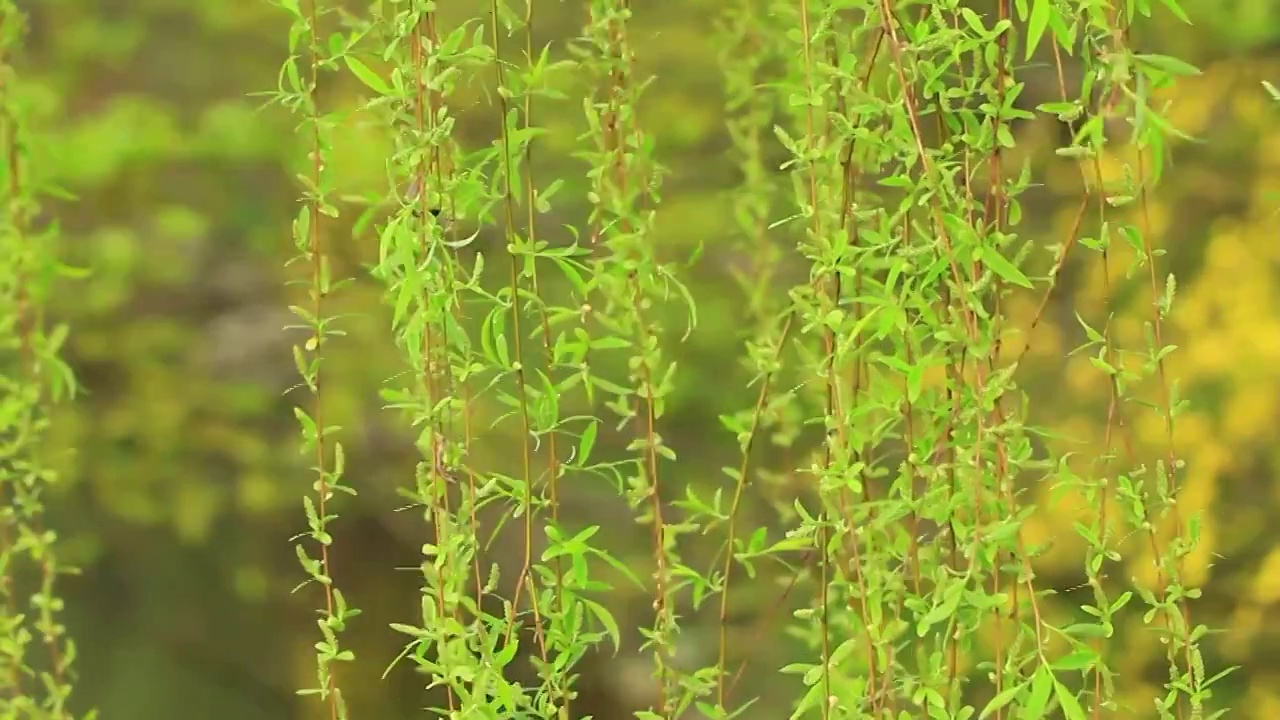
181,472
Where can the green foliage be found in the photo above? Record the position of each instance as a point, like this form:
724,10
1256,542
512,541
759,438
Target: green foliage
906,212
37,658
888,470
299,91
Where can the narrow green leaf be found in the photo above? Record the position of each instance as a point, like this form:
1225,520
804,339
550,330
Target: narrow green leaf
1171,65
1078,660
974,22
587,441
1000,700
1001,266
1041,686
367,76
1036,24
915,377
1177,10
607,620
1070,705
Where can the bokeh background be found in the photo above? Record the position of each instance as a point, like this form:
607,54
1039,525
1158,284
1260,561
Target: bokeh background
181,475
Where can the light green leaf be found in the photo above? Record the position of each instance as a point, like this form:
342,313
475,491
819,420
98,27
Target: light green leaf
610,625
1177,10
367,76
1000,700
1171,65
1036,24
1041,685
915,377
1070,705
587,441
1078,660
1001,266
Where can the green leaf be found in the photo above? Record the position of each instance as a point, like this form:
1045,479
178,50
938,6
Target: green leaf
943,611
587,441
1001,266
503,657
308,425
1177,10
1000,700
1171,65
1041,685
915,377
974,22
581,538
1078,660
409,630
367,76
1070,705
610,625
1037,23
810,700
339,460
